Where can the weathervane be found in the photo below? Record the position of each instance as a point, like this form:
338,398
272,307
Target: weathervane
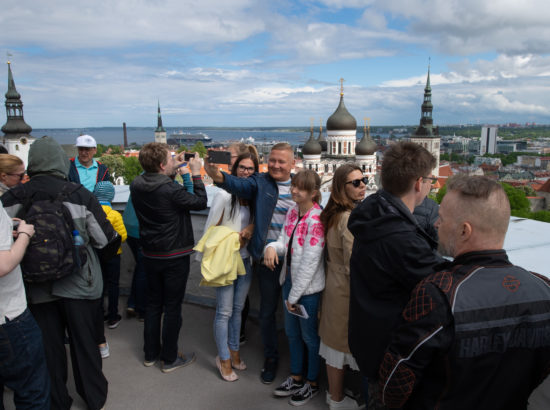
341,86
8,54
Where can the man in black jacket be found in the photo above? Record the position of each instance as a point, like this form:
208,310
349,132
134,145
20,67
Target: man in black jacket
391,252
476,335
166,235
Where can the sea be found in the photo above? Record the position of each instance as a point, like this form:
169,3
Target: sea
142,135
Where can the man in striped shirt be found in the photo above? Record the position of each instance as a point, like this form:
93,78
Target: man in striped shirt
270,195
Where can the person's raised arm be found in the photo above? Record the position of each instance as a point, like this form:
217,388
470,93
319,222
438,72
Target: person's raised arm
213,171
10,258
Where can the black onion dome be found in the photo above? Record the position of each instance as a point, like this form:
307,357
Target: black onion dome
366,146
312,146
341,120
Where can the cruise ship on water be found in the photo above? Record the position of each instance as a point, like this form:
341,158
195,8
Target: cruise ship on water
187,138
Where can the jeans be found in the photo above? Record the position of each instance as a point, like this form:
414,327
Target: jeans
111,278
138,294
301,331
166,279
229,305
23,363
270,291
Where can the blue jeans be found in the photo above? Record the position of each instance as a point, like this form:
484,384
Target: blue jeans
302,332
229,305
23,363
138,294
270,291
166,279
111,279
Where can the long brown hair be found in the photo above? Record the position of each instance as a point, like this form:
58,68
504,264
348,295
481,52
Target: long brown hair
251,154
339,201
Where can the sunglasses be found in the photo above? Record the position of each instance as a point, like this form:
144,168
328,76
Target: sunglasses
357,182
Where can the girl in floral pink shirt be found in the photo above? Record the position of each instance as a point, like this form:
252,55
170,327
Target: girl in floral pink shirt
301,243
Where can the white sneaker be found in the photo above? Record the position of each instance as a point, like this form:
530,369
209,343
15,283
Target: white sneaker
346,404
104,351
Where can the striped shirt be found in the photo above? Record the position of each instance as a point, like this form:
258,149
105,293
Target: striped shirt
284,202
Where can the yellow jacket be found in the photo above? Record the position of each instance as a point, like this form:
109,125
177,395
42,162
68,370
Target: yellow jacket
118,224
221,261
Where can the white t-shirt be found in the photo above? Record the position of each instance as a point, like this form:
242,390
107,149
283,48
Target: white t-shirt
12,291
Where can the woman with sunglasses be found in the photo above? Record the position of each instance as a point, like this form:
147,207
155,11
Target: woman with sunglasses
228,210
348,189
12,171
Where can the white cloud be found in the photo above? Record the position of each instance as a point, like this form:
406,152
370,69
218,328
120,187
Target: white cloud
65,24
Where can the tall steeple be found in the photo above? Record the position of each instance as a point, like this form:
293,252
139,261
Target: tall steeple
426,127
426,134
160,132
160,128
15,126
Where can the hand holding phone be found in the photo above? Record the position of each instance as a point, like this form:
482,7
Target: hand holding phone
219,157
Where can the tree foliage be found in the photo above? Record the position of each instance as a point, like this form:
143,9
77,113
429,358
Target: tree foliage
132,168
200,148
115,164
518,200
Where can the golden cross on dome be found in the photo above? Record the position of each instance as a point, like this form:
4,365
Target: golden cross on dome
342,86
311,121
320,125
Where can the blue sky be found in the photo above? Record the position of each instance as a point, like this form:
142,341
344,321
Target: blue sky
264,63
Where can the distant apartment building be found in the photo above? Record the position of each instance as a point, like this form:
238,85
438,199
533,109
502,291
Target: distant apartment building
488,140
478,160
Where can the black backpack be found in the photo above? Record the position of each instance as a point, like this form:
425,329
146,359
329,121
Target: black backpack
51,253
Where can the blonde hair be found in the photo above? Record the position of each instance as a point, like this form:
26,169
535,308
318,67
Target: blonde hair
9,163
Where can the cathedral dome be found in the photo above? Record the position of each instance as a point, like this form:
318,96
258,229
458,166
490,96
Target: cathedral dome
312,146
366,146
341,120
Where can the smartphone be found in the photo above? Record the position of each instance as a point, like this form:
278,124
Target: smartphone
188,155
219,157
15,225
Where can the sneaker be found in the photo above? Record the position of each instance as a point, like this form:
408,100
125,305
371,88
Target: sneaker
288,387
181,361
305,394
149,363
269,371
346,404
113,323
104,351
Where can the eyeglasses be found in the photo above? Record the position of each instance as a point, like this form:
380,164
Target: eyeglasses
247,169
18,175
357,182
432,180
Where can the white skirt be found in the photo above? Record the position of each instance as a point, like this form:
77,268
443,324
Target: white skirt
336,358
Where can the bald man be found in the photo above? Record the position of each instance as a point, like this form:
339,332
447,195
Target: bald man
476,336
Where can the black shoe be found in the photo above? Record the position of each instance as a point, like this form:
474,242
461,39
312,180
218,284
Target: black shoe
113,323
305,394
269,371
242,339
288,387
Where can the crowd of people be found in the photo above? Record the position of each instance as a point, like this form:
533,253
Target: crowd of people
421,305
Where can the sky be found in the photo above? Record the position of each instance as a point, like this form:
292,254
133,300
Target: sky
276,63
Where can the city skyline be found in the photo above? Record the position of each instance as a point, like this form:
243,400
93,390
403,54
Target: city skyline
256,63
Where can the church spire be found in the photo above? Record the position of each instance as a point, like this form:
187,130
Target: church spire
426,127
15,125
160,128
